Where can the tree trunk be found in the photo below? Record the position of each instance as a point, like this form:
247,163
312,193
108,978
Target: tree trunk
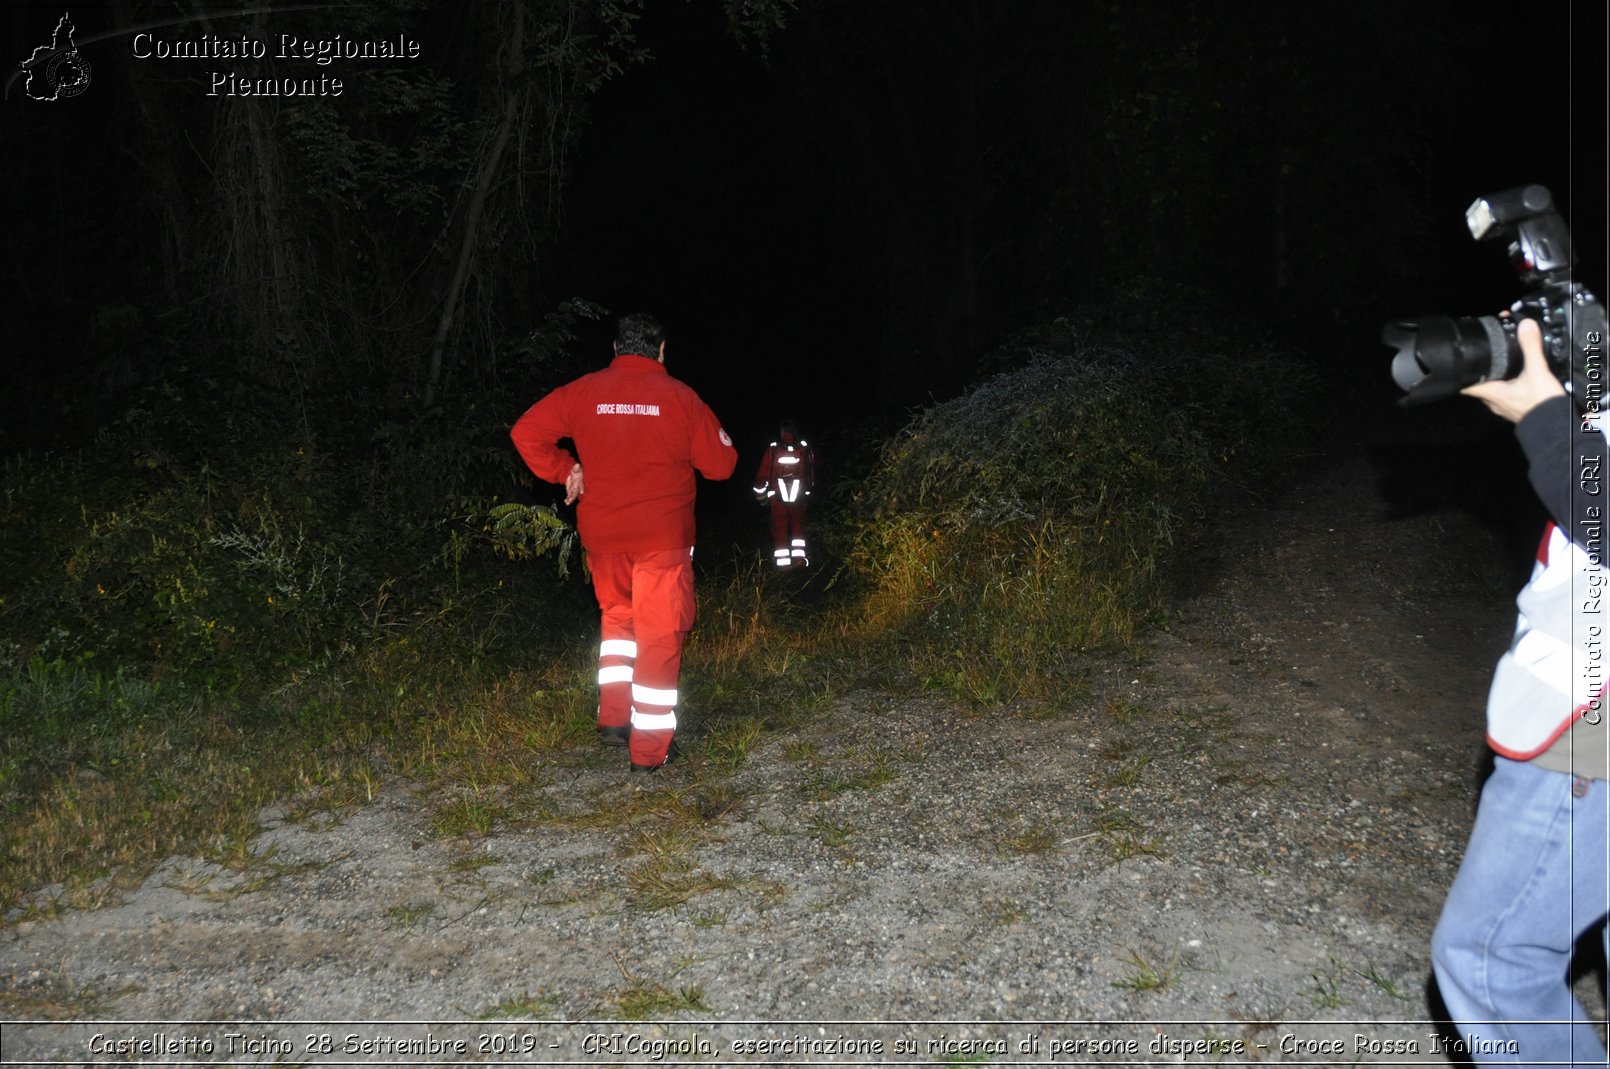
484,182
159,138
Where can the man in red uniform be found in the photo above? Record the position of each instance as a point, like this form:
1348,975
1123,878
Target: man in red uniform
785,477
642,435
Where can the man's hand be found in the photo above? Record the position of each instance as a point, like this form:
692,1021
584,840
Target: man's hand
1512,398
575,485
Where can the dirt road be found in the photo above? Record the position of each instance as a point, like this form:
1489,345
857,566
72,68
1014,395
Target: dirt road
1232,847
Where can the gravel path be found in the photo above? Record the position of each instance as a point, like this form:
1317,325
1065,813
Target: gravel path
1232,848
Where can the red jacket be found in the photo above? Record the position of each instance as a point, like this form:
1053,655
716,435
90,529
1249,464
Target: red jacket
787,471
641,434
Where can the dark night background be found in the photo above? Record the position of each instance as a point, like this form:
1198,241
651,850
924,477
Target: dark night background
836,217
263,533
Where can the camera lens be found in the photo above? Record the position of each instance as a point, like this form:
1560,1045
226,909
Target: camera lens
1440,355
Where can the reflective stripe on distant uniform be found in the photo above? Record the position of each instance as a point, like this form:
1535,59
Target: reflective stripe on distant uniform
786,475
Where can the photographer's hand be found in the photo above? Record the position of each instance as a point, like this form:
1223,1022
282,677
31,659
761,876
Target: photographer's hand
1512,398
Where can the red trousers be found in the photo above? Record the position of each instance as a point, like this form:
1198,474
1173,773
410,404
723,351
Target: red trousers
788,532
646,603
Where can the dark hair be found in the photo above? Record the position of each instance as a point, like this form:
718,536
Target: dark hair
639,333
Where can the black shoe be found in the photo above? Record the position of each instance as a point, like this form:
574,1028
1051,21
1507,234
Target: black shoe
671,754
614,736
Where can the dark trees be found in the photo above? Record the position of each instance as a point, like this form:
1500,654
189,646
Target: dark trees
371,245
991,156
895,181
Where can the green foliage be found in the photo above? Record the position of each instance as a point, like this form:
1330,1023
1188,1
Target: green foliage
218,599
520,532
753,23
72,708
98,765
393,150
585,54
200,538
1042,511
542,354
189,567
1143,975
215,600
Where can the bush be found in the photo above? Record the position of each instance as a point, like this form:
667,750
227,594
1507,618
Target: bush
1044,511
229,552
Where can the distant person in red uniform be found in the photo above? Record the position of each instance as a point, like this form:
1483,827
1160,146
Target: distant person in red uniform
641,435
785,478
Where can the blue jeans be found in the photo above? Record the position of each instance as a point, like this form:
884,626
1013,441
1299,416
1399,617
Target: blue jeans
1533,881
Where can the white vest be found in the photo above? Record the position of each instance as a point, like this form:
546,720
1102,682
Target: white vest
1558,665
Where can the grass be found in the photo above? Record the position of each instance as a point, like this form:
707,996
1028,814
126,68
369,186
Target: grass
257,875
1326,992
526,1004
55,997
728,743
472,813
831,834
1039,839
142,783
663,883
1123,836
800,751
1008,913
712,802
994,543
473,863
1142,975
1373,975
109,774
406,915
1128,772
647,1000
1124,712
668,876
863,774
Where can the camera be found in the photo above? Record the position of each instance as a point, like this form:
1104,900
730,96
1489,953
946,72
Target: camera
1437,356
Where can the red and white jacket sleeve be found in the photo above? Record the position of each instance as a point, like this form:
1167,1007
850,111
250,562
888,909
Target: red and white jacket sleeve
536,436
714,455
766,471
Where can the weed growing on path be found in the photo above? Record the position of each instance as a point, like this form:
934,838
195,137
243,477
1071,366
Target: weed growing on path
1144,975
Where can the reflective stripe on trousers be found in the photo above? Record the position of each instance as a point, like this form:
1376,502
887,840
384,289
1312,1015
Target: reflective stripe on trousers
615,660
646,602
